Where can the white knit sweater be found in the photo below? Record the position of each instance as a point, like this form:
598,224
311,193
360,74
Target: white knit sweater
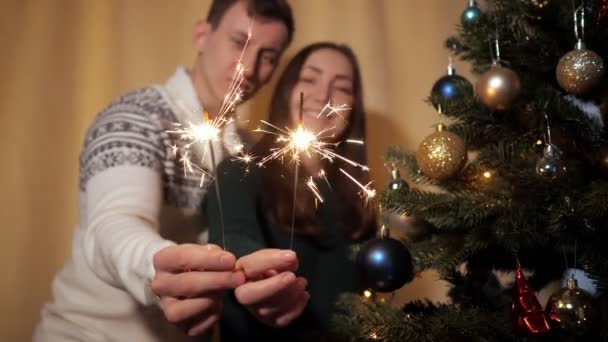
135,199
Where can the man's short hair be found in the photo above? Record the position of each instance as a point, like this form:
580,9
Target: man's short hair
271,9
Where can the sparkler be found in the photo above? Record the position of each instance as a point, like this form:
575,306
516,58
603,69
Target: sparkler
365,189
301,141
210,130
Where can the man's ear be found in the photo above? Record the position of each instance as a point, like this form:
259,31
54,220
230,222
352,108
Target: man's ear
200,35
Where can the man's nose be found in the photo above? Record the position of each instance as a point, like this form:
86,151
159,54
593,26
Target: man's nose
250,64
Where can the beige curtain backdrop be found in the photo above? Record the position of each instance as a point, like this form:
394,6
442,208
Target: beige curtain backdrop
63,60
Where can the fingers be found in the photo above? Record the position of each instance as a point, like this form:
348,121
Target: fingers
295,312
194,315
281,303
258,263
204,325
177,311
193,257
192,284
255,292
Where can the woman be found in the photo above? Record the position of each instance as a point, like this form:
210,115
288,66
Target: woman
258,204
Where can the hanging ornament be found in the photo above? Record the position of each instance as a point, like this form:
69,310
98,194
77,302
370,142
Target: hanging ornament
450,86
396,182
527,314
404,227
550,165
572,309
442,154
385,263
580,70
498,87
471,14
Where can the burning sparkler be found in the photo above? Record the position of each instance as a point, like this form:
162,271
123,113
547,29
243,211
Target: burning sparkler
210,130
302,141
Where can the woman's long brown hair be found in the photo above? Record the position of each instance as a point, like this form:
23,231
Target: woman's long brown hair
358,220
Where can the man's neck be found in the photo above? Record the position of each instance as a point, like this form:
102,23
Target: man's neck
206,99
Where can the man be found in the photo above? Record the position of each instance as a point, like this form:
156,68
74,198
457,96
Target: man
138,272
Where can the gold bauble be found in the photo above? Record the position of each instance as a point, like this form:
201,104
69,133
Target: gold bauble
442,154
579,71
498,87
572,309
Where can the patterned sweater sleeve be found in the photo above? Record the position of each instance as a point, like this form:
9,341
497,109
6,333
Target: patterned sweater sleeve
121,181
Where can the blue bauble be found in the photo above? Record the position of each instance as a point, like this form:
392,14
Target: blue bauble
471,15
385,264
451,87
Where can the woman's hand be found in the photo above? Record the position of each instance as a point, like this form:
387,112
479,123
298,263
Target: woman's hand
272,292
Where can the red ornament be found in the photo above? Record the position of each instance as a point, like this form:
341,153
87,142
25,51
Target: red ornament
603,11
528,315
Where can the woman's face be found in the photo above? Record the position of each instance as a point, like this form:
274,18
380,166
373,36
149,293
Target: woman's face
326,77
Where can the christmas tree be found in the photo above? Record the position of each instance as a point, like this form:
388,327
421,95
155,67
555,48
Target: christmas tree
517,179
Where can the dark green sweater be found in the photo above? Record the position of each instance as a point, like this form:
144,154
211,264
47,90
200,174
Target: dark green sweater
325,261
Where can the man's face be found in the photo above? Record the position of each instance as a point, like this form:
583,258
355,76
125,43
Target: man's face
220,49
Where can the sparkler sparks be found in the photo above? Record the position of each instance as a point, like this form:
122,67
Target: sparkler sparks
204,133
210,130
312,185
302,141
329,110
243,157
295,143
366,189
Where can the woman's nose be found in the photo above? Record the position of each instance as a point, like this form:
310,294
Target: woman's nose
322,93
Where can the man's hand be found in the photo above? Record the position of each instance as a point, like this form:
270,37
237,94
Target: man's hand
272,293
190,281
